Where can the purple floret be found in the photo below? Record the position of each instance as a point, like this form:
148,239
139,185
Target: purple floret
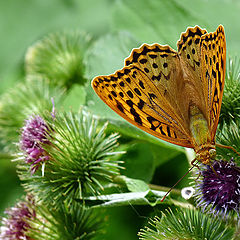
34,135
220,190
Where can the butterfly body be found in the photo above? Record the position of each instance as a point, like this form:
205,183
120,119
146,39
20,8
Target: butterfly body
201,136
175,96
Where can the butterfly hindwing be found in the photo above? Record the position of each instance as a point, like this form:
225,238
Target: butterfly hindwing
189,50
213,58
189,46
131,94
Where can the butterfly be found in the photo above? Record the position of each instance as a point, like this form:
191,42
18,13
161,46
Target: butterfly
174,95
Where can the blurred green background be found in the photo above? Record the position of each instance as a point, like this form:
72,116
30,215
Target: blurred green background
116,27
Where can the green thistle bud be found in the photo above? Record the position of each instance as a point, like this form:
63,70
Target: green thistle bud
229,136
20,102
185,224
27,220
59,58
230,110
66,223
80,160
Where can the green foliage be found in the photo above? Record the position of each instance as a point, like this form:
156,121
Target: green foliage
149,197
83,165
66,223
186,224
153,16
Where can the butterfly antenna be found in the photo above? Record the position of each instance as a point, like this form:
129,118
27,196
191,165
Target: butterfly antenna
177,183
228,147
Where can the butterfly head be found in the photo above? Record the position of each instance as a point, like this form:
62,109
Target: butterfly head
206,155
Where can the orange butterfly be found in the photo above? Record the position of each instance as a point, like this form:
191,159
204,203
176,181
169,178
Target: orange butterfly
175,96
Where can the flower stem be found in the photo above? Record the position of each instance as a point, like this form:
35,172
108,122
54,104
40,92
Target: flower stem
165,189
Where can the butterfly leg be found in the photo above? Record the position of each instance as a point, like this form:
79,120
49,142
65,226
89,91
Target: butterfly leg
228,147
195,165
214,171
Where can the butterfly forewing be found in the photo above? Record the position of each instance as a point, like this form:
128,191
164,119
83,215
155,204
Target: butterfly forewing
131,94
162,67
213,59
164,76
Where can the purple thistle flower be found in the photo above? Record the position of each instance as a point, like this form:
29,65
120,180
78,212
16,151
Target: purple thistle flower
221,192
34,134
16,225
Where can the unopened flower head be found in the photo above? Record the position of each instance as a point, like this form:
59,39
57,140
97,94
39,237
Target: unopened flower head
16,225
219,191
34,135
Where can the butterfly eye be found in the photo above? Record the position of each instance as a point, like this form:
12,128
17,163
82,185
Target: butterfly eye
212,153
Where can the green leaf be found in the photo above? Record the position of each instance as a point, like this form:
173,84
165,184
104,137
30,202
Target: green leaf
108,53
165,152
154,21
133,185
75,97
226,15
163,21
128,130
145,153
150,197
139,161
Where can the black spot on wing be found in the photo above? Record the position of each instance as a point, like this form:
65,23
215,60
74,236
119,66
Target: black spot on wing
114,93
120,107
143,61
158,77
152,56
152,95
145,50
146,70
154,123
214,73
130,103
141,84
128,80
130,94
136,116
165,65
140,104
136,90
